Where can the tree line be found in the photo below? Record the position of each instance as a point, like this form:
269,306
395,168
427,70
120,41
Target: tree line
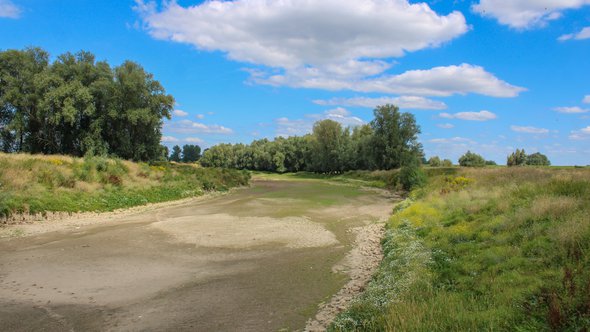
78,106
389,141
472,159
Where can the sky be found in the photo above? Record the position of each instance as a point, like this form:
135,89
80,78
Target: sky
488,76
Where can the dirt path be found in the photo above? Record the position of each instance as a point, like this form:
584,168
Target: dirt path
258,259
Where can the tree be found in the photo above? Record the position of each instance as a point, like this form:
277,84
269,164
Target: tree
447,163
537,159
191,153
470,159
434,161
175,156
490,163
395,138
517,158
326,146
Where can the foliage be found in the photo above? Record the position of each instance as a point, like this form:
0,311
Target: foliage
517,158
191,153
411,177
40,184
537,159
78,106
389,142
434,161
176,154
503,249
447,163
470,159
520,158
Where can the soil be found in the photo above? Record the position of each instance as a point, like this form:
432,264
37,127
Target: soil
258,259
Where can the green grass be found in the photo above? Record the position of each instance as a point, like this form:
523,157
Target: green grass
498,249
41,184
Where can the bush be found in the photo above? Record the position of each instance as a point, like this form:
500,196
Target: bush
434,161
411,177
470,159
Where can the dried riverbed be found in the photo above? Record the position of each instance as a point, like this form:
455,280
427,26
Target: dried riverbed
263,258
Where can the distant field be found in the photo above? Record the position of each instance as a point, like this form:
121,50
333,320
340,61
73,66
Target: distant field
32,184
484,249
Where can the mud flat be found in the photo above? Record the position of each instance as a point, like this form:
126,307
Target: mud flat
264,258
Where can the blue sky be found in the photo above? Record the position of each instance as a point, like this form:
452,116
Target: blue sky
486,75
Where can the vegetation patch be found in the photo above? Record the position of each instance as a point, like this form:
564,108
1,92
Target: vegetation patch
39,184
485,249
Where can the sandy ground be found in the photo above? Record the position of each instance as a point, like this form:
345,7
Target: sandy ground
258,259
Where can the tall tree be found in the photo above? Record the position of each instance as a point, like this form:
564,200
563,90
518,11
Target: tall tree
191,153
395,138
175,156
327,146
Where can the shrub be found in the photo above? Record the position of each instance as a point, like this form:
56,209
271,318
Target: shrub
470,159
434,161
411,177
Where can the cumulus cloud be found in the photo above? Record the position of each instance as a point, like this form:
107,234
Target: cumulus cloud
526,14
9,10
452,140
179,113
438,81
581,134
193,140
328,44
169,139
295,33
191,127
582,34
529,130
571,110
403,102
286,127
470,116
200,116
445,125
586,99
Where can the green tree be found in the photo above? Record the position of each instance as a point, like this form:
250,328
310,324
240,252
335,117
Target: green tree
395,138
434,161
326,147
517,158
470,159
175,156
447,163
537,159
191,153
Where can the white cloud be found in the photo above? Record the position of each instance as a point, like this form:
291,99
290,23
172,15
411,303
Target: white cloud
437,81
470,116
169,139
403,102
286,127
179,113
9,10
571,110
526,14
328,44
586,99
200,116
194,140
582,34
581,134
191,127
297,33
452,140
529,130
445,125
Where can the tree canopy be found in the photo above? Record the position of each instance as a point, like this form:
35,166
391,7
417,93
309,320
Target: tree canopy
79,106
390,141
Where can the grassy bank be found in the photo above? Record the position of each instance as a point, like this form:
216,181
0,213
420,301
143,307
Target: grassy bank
484,249
39,184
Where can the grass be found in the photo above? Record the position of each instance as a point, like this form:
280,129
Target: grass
40,184
498,249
